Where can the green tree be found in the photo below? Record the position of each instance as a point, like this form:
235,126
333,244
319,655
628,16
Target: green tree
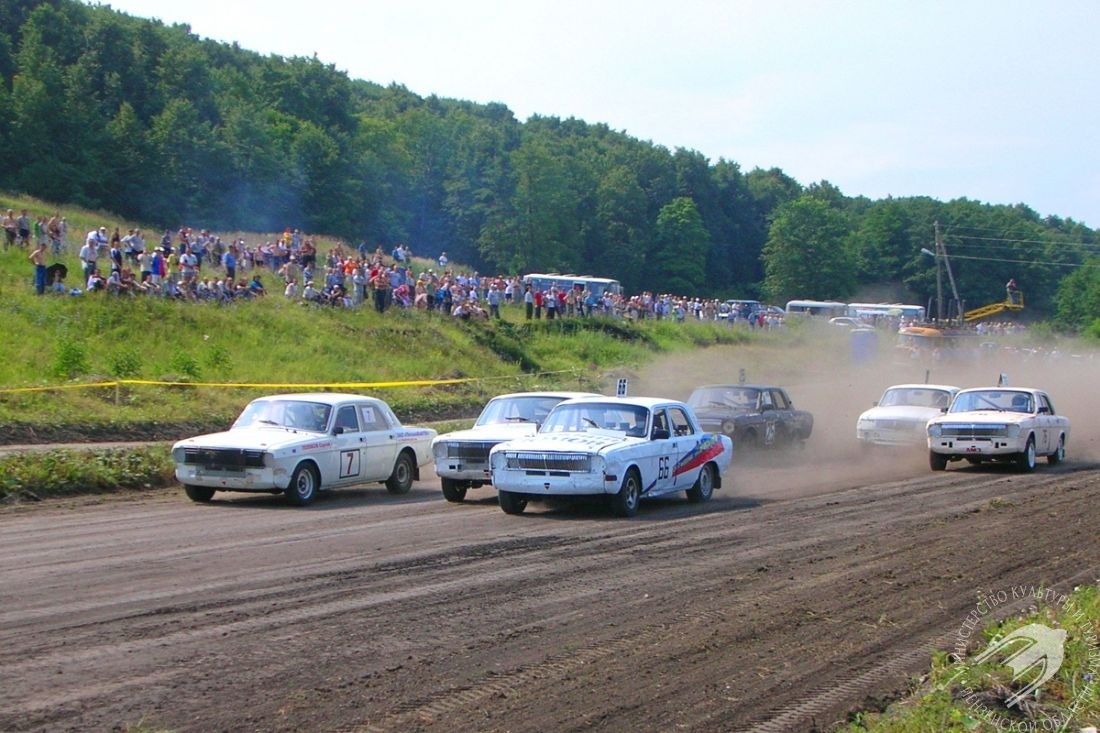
679,256
807,255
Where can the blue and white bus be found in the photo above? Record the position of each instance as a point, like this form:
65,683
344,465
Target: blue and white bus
874,311
819,308
596,285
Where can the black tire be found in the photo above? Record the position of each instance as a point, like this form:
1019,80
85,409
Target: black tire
704,486
200,494
625,503
749,442
937,461
401,480
303,485
1025,460
454,491
1059,453
511,502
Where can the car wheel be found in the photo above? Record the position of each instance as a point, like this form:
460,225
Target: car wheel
511,502
401,480
1059,453
303,485
201,494
453,490
750,441
625,503
937,461
704,486
1025,461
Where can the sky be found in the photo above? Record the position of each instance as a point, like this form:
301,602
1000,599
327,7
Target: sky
994,101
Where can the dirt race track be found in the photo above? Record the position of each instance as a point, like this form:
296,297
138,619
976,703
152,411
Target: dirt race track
814,584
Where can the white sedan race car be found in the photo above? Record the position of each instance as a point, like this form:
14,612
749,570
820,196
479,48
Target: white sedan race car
901,417
462,457
998,424
299,444
625,448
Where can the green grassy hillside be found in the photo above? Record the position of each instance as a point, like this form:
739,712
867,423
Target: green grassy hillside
56,345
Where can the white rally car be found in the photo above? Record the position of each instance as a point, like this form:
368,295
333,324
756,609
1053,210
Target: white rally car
299,444
462,457
626,448
998,424
901,416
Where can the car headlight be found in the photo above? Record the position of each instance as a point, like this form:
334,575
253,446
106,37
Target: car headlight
865,423
935,430
1012,431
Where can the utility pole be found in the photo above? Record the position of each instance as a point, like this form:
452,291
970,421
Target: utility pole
939,274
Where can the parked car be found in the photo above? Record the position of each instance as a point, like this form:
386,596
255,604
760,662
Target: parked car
299,444
462,457
624,448
998,424
753,415
900,417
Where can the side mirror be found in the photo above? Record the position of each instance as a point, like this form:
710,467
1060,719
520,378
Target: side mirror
338,430
661,434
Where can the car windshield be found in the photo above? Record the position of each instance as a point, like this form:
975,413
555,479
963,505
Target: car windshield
915,397
521,408
297,414
630,419
993,399
736,397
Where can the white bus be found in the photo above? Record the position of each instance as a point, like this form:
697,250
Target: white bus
873,311
596,285
821,308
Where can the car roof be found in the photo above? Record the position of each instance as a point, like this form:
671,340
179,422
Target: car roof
547,393
648,402
946,387
1003,389
328,398
736,386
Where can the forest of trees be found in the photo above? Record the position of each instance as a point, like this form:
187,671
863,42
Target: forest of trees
129,115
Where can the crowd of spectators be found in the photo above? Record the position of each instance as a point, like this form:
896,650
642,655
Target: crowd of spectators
194,265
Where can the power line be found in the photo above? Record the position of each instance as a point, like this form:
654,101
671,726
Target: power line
1019,262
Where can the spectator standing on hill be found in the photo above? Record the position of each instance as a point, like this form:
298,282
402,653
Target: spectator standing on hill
538,304
10,229
38,259
53,232
443,261
528,301
23,226
494,298
88,256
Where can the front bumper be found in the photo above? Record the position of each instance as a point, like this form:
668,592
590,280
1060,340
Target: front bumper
576,484
249,479
960,448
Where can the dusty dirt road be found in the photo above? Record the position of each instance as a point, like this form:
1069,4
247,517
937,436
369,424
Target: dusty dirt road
814,584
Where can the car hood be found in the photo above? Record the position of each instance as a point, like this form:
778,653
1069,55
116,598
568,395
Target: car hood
902,412
266,437
496,432
984,416
592,441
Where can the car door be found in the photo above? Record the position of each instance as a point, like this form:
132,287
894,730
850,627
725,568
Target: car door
379,442
660,455
685,440
768,417
1048,421
350,442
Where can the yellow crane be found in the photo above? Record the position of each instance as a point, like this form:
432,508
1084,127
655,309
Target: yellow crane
1014,301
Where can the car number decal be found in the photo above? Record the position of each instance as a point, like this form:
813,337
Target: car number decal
349,463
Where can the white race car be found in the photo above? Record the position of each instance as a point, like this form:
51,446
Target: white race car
299,444
462,457
998,424
626,448
901,417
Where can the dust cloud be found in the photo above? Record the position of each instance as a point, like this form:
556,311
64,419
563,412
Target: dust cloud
823,374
